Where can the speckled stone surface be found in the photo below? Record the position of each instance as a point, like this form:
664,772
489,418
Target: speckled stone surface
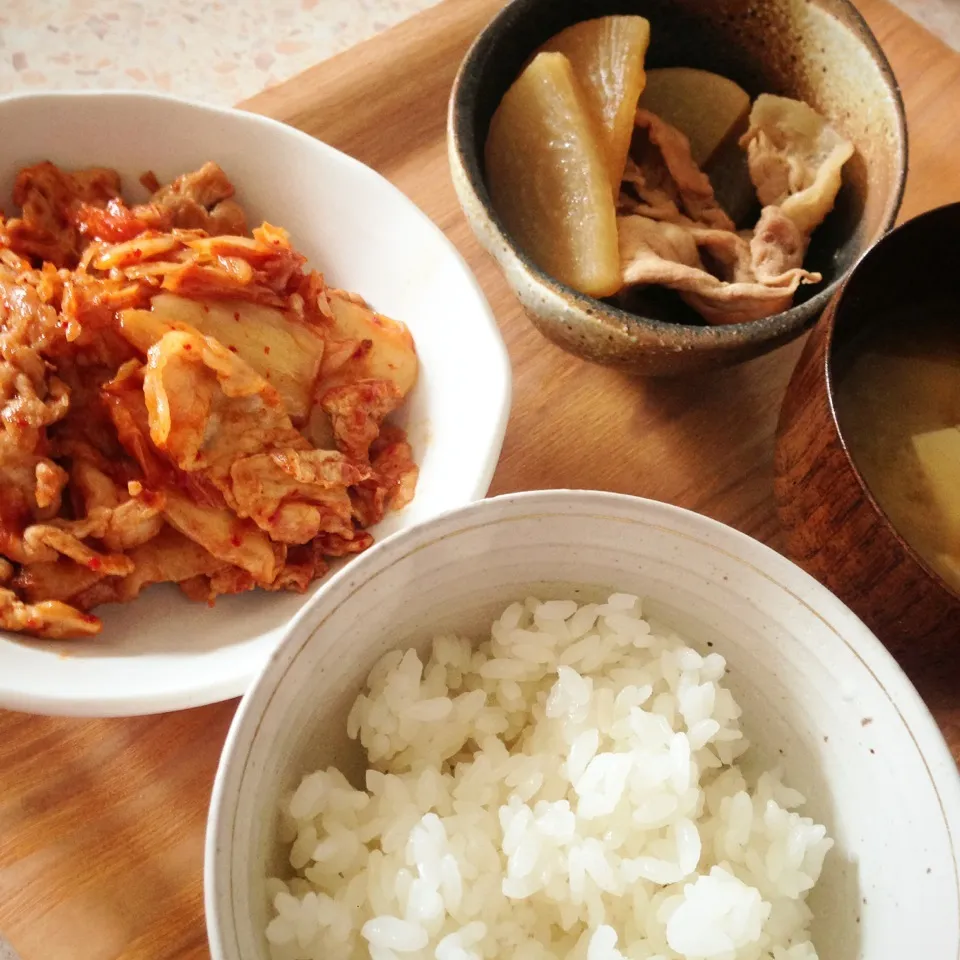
219,51
6,950
940,17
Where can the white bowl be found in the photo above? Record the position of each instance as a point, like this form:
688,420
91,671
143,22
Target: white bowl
163,652
819,692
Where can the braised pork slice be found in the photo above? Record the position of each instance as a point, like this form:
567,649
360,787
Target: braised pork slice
667,182
795,159
672,255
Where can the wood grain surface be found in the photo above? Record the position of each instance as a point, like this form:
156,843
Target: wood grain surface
101,822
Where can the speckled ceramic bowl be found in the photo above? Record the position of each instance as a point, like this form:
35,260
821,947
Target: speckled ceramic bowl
820,51
820,697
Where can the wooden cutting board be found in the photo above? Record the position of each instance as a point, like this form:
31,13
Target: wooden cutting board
101,821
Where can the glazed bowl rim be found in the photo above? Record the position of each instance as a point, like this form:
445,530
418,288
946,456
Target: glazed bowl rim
126,680
839,624
465,152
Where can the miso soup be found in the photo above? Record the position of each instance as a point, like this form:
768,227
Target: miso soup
898,406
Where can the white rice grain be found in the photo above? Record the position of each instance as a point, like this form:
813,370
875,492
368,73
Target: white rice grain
566,788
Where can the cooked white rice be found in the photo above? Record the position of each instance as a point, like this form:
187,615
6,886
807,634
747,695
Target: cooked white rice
568,789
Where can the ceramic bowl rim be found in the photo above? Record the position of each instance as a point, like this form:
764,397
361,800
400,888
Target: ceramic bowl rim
194,692
903,697
781,325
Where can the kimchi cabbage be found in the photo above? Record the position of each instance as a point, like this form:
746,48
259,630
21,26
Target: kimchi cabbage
182,400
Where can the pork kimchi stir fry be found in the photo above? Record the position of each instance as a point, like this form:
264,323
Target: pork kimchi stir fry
181,400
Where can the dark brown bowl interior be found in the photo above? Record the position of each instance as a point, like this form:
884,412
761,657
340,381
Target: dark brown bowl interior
834,526
820,51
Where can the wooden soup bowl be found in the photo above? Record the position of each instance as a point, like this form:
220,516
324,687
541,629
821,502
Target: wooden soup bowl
834,527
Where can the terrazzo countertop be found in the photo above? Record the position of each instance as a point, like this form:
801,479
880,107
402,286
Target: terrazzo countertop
220,51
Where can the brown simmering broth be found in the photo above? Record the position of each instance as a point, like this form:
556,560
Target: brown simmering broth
898,406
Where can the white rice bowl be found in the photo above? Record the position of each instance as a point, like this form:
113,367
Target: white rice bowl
820,697
568,788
